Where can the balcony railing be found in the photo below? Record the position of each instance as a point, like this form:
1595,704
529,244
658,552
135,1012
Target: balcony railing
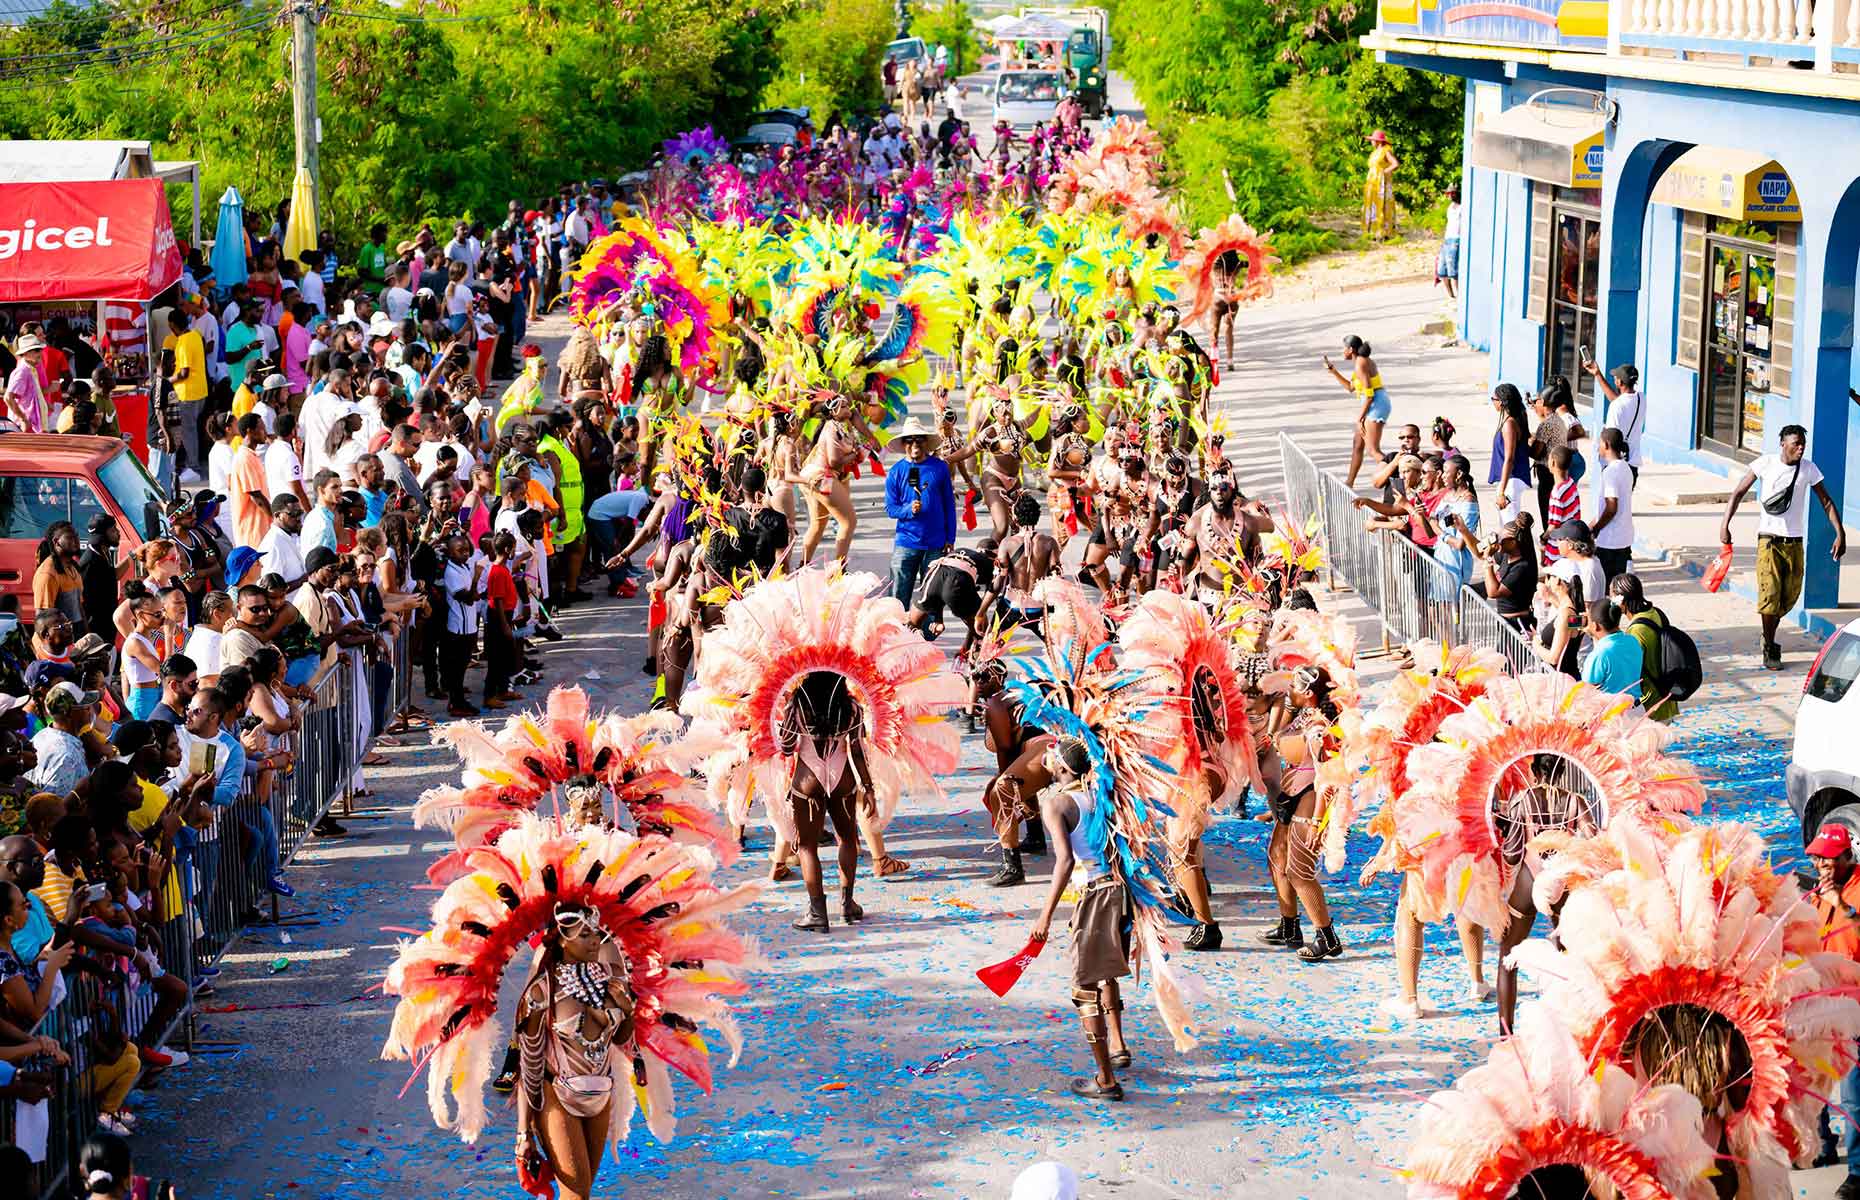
1751,32
1823,35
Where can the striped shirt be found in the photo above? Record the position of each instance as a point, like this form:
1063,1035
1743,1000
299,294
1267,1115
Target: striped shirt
1565,505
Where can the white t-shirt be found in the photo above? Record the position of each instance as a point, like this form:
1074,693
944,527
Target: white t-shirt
461,617
1617,484
310,289
282,553
1628,413
219,466
1773,476
1589,570
281,468
208,327
458,299
1454,216
266,414
203,646
397,302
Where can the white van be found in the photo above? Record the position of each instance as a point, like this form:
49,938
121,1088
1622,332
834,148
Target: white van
1027,98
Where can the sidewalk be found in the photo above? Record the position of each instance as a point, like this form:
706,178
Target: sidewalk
1280,383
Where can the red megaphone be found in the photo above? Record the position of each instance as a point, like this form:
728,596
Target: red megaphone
1001,977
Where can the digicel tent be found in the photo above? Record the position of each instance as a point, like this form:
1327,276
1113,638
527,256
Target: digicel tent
103,240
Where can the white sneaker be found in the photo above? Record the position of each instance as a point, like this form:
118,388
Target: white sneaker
109,1124
1406,1010
189,475
1478,991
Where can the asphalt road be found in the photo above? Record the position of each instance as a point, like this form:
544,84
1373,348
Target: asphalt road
877,1065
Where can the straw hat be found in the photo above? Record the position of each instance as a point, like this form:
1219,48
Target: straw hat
912,428
27,344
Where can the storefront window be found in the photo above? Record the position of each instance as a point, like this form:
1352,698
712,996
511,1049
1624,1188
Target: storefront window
1739,324
1576,268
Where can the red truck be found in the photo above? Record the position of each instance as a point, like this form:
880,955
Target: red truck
48,477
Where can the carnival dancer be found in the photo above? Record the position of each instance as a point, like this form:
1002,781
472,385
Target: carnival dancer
611,1004
1024,563
1364,382
843,440
815,695
1175,634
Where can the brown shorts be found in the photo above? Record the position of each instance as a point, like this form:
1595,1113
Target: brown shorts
1780,567
1101,933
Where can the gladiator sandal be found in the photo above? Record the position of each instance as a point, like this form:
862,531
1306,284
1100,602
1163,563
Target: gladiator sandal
816,918
1324,944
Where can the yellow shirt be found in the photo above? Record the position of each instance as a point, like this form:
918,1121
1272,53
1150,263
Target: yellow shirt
55,891
154,803
190,355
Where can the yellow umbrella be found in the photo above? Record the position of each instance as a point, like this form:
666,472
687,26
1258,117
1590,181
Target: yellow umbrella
300,234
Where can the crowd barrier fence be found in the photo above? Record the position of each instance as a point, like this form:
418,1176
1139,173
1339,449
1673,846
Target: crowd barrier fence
1415,597
217,887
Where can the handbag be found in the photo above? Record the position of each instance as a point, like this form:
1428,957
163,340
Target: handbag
1778,504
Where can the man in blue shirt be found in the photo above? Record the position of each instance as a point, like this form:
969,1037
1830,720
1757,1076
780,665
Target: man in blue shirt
1615,662
922,500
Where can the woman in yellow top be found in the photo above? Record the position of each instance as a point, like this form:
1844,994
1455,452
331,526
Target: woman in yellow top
1364,382
1379,189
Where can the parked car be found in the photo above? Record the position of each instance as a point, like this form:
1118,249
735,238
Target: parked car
1027,98
775,127
1823,778
48,477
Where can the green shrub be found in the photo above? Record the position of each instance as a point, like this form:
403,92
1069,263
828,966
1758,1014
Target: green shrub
829,53
950,24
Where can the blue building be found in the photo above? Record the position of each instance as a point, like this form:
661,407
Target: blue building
1673,184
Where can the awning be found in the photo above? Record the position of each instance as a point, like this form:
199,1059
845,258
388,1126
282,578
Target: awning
109,240
1741,185
1558,144
72,161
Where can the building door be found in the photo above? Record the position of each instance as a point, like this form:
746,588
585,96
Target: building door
1575,281
1737,376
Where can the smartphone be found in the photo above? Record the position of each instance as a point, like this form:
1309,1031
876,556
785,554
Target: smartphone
1587,355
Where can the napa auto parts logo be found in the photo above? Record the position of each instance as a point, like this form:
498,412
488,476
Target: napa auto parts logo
1773,187
1592,159
31,236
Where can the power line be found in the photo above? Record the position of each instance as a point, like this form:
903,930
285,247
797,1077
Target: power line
160,41
22,68
407,19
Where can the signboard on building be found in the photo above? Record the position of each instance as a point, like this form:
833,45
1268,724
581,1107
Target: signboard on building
1553,24
1739,185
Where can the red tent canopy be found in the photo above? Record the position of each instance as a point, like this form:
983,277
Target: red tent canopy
107,240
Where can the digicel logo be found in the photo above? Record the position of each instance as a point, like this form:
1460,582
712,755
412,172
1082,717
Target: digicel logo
54,237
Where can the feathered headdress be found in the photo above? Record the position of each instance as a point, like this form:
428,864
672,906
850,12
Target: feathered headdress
777,634
1232,236
1306,638
661,270
1540,1102
696,147
513,772
1486,760
656,900
1682,956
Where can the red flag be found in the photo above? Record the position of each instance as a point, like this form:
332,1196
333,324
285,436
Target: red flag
968,510
655,612
878,468
1001,977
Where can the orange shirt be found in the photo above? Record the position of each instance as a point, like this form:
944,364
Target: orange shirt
1840,933
251,520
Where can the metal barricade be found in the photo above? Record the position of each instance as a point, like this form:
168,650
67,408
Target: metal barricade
400,699
1419,594
1354,552
1303,496
1481,625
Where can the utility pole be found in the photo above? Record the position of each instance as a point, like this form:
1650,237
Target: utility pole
303,91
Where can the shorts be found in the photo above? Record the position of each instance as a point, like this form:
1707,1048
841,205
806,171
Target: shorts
952,589
1380,406
1101,927
1781,563
1448,265
1285,807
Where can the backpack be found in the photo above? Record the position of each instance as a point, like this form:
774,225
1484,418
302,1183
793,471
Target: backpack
1680,669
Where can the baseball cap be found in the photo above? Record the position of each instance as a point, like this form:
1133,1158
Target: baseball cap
318,558
277,383
44,673
10,703
66,696
1572,531
100,522
1831,841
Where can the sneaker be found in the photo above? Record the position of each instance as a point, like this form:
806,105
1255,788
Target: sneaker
1404,1010
277,887
205,990
206,972
328,828
164,1058
189,475
109,1123
1478,992
460,710
493,703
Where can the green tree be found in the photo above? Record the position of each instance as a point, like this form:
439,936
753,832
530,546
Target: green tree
830,51
1423,114
950,24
